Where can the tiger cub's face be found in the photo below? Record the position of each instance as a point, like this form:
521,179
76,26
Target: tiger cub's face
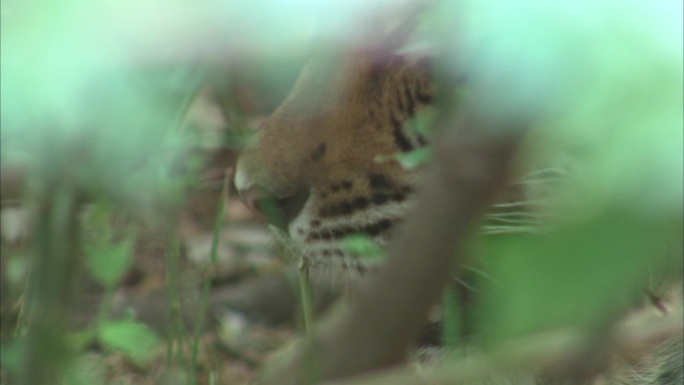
317,155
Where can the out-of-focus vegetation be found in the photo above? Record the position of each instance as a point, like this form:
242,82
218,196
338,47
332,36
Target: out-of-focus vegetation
603,81
94,92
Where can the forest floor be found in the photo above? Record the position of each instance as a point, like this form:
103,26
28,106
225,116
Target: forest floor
218,336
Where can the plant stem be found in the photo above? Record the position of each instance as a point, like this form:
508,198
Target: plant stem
306,298
206,283
55,252
450,318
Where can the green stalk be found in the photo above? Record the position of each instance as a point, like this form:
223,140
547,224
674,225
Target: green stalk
450,318
306,297
206,284
172,298
55,252
23,305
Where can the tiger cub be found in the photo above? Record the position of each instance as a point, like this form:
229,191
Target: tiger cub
327,155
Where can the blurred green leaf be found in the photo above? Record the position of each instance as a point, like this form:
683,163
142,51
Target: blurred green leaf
420,124
605,75
580,275
80,339
362,246
76,108
17,269
87,369
109,261
135,339
12,353
415,158
408,160
422,121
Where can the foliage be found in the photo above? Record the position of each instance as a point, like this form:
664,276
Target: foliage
82,125
106,259
136,339
93,94
362,246
607,91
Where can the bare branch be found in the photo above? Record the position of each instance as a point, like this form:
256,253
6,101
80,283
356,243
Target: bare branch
522,358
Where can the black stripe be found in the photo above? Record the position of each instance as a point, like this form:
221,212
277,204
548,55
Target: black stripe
360,203
379,182
399,95
372,229
411,107
400,138
344,207
424,97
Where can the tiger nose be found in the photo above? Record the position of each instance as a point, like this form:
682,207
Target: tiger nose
248,192
253,197
279,212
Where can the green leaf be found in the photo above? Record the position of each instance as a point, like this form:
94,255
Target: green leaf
17,269
106,259
81,339
87,369
12,353
408,160
362,246
109,261
419,124
580,275
135,339
415,158
422,121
